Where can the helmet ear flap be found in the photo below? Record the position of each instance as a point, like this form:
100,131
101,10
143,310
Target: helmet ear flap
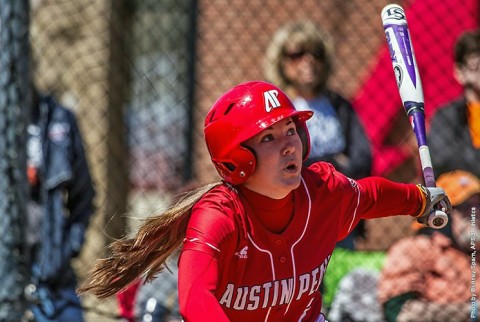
302,131
238,167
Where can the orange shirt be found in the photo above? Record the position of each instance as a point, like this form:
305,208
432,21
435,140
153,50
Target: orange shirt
431,267
473,112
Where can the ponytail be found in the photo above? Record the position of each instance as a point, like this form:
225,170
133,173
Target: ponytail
144,255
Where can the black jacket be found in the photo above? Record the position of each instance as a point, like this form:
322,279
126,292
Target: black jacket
357,145
66,194
451,146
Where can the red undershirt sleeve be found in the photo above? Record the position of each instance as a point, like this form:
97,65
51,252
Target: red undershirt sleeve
383,198
197,280
376,197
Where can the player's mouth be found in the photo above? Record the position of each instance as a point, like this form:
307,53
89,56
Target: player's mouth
292,167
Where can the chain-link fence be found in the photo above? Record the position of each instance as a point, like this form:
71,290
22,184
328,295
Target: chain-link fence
140,76
13,96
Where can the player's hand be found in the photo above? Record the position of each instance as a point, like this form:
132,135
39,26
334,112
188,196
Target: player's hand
437,199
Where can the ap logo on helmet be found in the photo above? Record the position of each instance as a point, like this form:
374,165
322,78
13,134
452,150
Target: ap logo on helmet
271,100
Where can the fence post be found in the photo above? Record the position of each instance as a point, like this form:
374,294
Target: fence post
14,103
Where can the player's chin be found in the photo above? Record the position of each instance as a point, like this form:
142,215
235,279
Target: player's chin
292,181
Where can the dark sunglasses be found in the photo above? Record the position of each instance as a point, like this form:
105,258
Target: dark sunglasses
297,55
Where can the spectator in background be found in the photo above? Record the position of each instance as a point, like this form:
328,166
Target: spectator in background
454,135
59,209
299,60
428,277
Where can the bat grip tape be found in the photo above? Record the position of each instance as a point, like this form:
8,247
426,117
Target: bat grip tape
427,168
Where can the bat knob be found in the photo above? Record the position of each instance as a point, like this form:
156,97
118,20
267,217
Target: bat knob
437,219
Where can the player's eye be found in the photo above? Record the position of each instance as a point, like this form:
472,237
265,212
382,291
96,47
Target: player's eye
267,138
292,131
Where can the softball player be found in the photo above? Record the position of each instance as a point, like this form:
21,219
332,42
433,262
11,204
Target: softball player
256,246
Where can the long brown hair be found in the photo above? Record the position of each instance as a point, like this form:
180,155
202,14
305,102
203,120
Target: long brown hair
145,255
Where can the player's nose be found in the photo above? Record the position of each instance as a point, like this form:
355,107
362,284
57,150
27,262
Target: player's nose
288,147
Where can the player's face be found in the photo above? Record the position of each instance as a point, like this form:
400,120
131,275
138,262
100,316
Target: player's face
278,151
469,74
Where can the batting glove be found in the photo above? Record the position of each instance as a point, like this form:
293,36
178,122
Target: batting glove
436,199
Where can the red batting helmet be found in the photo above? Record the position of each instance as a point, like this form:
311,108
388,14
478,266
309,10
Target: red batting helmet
239,114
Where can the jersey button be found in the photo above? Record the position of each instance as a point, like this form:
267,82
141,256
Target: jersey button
283,259
278,242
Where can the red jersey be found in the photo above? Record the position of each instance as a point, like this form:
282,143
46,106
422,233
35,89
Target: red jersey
257,275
